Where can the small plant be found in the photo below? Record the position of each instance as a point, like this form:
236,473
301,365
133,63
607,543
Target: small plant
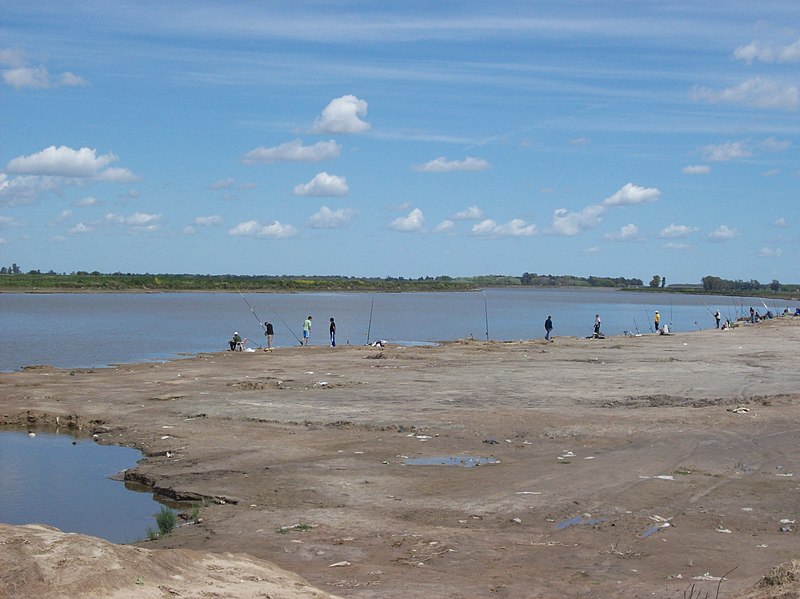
152,535
196,510
165,520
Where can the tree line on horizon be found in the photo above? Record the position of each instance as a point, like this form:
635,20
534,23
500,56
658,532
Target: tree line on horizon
13,278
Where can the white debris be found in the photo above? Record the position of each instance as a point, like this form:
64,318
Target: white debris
787,521
340,564
725,530
706,576
529,492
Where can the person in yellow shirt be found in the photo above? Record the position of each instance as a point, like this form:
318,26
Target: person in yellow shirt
657,320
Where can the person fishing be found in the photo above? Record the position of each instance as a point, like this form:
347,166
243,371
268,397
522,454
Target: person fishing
596,326
332,331
269,332
306,330
236,342
717,317
656,320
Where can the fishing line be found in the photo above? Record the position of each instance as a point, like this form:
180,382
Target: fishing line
261,324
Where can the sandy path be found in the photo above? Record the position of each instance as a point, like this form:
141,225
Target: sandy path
622,434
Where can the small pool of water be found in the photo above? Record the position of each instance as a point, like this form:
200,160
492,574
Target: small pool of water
464,461
64,481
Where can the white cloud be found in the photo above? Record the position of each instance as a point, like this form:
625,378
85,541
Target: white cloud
731,150
781,222
768,52
293,151
756,92
698,169
409,223
138,222
775,145
252,228
442,165
87,202
61,162
38,78
770,173
672,245
325,218
723,233
674,231
63,216
580,141
9,221
207,221
117,175
444,226
471,213
770,253
628,232
342,115
323,185
189,230
222,184
12,57
571,223
3,241
631,194
513,228
80,229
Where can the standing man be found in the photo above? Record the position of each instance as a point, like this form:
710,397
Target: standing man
332,331
306,330
657,320
269,331
597,326
548,327
717,317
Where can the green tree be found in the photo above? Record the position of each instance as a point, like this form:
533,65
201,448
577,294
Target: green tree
655,282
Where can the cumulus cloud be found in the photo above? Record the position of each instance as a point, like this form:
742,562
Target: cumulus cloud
444,226
770,253
222,184
471,213
80,229
723,233
674,231
293,151
781,222
731,150
323,185
757,92
412,222
513,228
775,145
138,222
70,163
672,245
38,78
87,202
342,115
768,52
442,165
628,232
207,221
631,194
9,221
252,228
698,169
571,223
325,218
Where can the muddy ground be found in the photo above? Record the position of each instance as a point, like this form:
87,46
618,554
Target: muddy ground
624,467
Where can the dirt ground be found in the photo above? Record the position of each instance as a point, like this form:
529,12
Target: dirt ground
629,467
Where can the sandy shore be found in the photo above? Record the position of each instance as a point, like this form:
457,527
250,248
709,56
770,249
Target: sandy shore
598,444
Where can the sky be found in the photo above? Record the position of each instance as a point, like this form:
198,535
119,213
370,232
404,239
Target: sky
413,138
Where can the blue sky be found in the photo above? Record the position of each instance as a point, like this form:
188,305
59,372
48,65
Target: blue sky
402,138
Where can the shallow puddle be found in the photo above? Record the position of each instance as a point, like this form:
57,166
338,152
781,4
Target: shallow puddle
63,481
579,521
464,461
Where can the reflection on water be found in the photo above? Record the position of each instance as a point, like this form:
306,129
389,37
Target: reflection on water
65,482
98,329
464,461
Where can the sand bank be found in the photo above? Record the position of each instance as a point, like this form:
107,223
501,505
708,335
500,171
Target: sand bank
598,444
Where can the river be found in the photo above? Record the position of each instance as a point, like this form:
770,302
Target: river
71,330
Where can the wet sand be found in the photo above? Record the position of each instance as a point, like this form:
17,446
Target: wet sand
300,456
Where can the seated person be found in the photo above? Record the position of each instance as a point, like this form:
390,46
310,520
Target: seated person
236,342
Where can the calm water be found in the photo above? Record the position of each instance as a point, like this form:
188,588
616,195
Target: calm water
47,480
88,330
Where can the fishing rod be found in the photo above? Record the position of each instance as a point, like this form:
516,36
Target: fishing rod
369,326
635,324
261,324
486,315
647,316
258,320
